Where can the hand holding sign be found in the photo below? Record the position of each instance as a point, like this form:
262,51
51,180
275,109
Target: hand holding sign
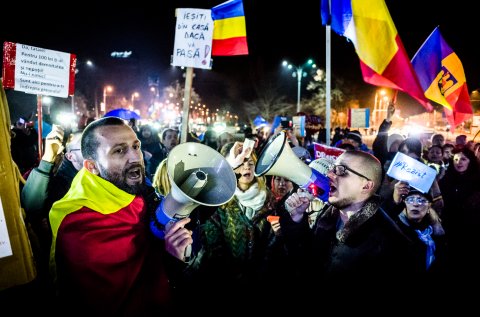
400,190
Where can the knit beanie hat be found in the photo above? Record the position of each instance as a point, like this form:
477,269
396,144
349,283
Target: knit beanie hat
355,135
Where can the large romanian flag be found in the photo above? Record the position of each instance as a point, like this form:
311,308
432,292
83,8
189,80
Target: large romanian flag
229,30
102,252
441,76
383,59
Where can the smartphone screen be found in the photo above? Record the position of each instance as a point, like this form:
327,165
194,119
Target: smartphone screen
248,143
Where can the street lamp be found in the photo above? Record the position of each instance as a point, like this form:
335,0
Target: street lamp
89,65
104,106
299,73
134,95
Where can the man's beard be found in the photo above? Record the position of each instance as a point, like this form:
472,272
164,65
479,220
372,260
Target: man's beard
342,203
120,180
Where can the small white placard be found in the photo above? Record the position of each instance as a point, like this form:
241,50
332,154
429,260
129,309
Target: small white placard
359,118
193,38
5,247
415,173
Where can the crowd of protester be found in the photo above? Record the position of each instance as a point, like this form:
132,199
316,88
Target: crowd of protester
88,200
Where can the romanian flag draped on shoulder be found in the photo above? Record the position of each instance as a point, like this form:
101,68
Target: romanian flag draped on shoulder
229,30
441,76
90,191
383,59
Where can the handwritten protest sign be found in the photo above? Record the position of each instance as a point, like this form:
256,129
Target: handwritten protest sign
415,173
193,38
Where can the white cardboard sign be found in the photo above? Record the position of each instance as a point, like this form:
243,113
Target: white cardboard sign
193,38
418,175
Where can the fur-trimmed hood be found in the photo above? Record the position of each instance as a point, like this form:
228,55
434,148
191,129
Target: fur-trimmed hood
329,219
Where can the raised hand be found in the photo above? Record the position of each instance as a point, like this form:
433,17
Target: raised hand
390,110
400,190
297,204
178,238
238,154
53,144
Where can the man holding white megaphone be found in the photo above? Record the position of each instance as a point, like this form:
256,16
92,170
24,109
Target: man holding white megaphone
278,158
353,241
198,175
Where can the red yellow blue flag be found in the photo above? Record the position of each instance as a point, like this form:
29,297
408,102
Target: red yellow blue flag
229,30
383,59
442,77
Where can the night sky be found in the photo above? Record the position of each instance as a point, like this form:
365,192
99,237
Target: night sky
292,32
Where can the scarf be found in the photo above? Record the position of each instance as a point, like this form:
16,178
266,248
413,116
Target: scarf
426,237
251,200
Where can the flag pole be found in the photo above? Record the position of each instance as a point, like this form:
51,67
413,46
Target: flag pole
395,94
40,126
328,72
186,103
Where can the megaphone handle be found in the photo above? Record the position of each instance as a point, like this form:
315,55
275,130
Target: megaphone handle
322,182
188,252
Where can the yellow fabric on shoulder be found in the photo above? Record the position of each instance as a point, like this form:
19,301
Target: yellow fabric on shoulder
91,191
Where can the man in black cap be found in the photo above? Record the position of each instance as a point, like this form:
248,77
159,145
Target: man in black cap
354,138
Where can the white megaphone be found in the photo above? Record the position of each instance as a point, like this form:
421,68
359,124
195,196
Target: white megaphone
277,158
198,175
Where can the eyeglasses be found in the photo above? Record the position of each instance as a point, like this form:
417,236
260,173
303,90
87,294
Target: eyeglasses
73,150
341,170
419,200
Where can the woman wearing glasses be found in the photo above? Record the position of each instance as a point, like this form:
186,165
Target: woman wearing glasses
421,223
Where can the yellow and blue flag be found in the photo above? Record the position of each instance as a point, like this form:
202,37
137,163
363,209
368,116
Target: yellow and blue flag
442,77
229,29
383,59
